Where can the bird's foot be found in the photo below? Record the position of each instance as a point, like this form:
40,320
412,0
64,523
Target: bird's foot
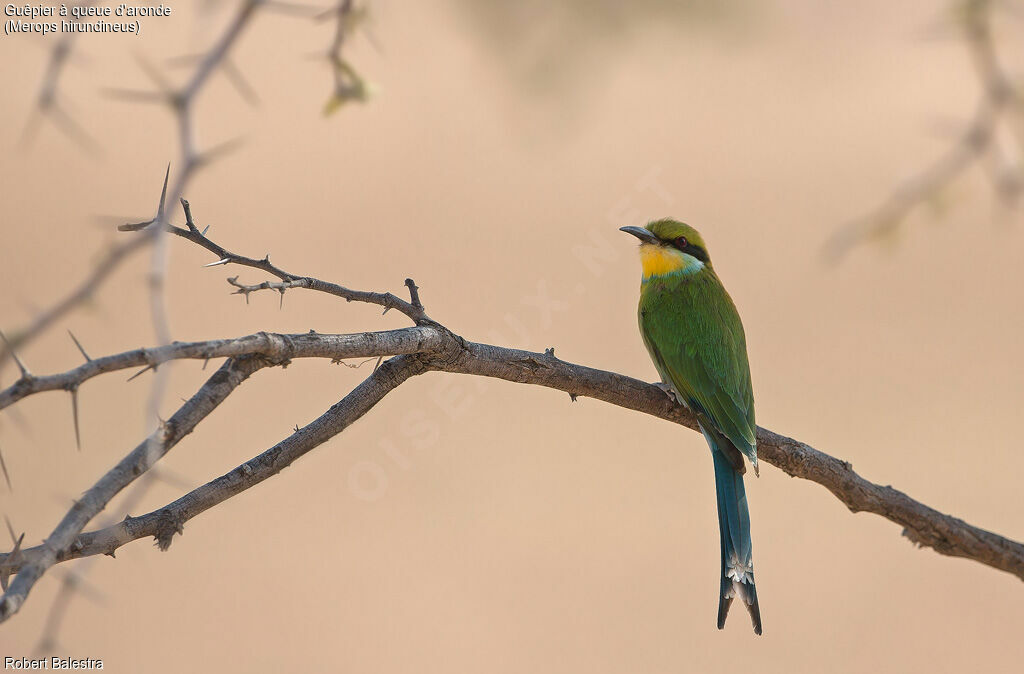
667,390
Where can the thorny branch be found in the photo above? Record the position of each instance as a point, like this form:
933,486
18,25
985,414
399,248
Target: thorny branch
348,86
134,464
1001,105
423,348
413,309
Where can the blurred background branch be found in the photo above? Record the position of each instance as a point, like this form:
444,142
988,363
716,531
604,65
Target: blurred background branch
982,143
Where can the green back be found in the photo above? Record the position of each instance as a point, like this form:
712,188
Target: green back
695,337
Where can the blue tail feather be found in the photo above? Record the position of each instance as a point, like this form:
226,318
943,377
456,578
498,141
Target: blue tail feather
737,574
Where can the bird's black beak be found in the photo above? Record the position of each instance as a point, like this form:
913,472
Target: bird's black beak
644,235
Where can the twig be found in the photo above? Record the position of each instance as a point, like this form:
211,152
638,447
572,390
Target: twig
414,310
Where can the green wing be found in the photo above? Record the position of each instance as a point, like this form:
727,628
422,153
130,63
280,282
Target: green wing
694,334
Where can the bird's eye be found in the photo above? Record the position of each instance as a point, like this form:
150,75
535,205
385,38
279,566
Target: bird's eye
681,242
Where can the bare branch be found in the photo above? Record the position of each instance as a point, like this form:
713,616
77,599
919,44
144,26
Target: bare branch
14,355
275,347
922,524
414,310
163,523
137,462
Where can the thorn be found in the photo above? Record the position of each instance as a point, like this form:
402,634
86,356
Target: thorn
206,361
280,304
205,230
163,195
74,415
7,476
223,260
17,544
550,351
10,349
111,554
386,309
13,556
296,428
380,359
572,397
142,371
79,345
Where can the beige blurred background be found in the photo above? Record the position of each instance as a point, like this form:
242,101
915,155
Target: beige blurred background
512,530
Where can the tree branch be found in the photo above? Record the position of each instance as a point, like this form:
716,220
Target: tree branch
414,310
272,346
164,522
138,461
922,524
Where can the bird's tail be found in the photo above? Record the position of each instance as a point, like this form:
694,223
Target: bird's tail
734,527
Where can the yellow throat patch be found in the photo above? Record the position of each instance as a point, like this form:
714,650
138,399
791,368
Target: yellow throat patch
662,260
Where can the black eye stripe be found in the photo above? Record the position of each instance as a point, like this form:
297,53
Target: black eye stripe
690,249
697,252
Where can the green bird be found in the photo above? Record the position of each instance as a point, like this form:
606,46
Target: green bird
693,333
